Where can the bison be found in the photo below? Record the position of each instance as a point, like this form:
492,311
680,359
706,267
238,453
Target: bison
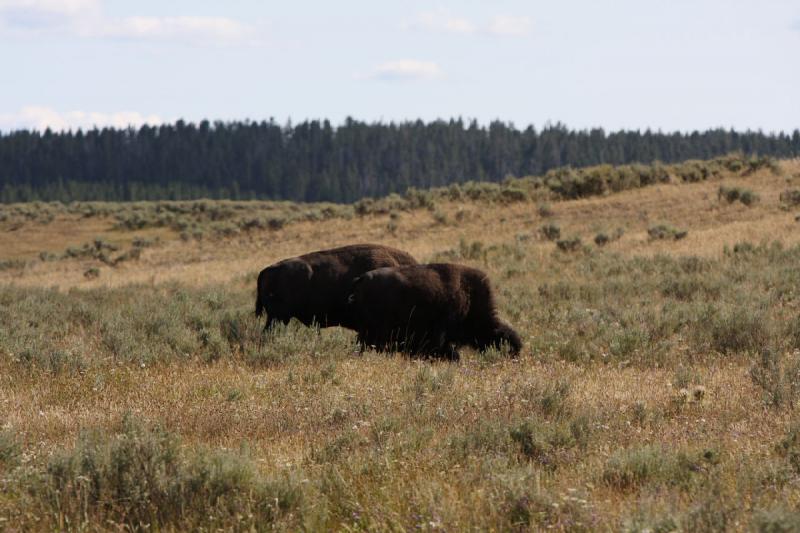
314,287
429,310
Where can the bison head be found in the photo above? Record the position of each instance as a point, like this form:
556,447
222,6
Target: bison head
504,334
279,288
499,335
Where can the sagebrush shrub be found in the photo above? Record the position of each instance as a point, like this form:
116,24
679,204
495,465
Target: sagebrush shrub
528,508
712,513
545,210
767,373
732,194
482,438
737,329
789,447
141,477
9,449
653,464
663,231
547,444
790,197
550,232
748,197
572,244
775,520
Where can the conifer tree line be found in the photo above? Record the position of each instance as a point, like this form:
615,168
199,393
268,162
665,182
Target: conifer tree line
315,161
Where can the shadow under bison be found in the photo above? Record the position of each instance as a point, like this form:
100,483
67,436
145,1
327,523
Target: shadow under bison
429,310
314,287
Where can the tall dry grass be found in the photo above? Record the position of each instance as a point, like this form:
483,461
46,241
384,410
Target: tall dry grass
657,389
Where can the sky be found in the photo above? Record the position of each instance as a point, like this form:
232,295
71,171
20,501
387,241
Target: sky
617,64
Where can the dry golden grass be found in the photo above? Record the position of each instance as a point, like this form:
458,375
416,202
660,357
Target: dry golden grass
695,206
401,419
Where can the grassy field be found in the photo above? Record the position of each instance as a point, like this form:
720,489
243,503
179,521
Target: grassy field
656,390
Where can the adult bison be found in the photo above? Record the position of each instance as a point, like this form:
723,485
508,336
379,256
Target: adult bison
429,310
314,287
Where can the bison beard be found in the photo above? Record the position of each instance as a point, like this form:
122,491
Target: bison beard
314,287
429,310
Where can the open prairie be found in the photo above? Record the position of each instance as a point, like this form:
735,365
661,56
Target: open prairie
656,390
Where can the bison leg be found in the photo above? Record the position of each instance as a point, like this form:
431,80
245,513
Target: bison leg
372,341
362,341
441,345
436,345
272,320
447,352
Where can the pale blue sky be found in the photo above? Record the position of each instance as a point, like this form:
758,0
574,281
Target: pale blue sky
671,65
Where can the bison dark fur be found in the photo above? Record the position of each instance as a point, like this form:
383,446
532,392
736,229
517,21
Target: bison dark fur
314,287
429,310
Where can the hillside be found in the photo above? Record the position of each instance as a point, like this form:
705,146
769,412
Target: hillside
216,241
656,390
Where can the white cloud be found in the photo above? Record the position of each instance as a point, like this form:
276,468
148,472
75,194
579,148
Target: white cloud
406,70
506,25
85,18
220,29
443,21
36,16
41,118
61,7
459,25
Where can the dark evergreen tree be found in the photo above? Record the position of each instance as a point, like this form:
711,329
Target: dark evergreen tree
314,161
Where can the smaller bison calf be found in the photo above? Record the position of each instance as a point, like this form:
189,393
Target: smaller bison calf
429,310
